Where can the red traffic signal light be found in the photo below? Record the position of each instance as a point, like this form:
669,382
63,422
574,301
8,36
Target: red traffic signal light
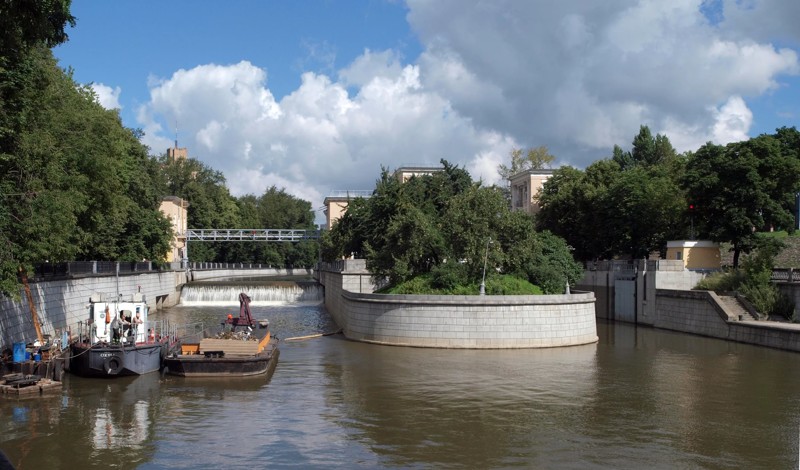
691,207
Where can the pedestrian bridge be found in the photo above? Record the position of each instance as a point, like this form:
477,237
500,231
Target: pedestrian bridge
251,235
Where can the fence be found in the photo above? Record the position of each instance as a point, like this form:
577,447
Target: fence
43,271
784,275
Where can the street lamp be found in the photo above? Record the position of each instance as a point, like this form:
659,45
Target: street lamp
485,255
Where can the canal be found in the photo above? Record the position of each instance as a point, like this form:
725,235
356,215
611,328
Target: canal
640,398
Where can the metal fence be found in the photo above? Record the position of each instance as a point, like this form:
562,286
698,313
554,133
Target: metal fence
91,268
785,275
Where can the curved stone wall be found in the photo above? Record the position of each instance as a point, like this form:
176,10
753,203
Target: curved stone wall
450,321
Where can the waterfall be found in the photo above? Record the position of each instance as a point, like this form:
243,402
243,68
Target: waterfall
268,294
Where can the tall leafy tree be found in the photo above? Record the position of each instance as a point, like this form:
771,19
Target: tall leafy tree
743,188
646,150
533,159
446,225
27,30
628,205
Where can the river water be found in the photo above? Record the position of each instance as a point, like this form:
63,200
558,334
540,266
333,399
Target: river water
640,398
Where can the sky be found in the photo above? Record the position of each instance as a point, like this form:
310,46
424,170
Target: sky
315,96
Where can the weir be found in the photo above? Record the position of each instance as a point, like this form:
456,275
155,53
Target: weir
274,293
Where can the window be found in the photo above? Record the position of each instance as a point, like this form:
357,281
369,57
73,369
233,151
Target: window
679,255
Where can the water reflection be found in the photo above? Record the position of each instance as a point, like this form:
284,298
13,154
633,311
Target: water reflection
446,406
640,398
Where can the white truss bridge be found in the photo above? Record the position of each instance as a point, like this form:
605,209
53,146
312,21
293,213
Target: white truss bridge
251,235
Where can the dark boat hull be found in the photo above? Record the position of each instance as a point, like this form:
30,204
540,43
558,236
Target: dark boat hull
113,360
199,365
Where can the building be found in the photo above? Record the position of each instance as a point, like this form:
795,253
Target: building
695,254
525,187
174,208
336,204
176,153
405,173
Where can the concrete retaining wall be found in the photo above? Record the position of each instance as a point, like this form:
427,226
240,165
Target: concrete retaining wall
792,290
444,321
701,312
61,304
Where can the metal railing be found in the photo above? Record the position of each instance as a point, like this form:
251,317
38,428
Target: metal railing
351,193
267,235
91,268
784,275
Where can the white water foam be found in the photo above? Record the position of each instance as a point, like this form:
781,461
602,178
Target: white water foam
307,294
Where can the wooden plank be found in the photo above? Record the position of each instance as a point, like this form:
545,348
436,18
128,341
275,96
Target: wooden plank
229,347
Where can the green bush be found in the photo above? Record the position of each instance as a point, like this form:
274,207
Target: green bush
448,276
723,281
763,297
495,285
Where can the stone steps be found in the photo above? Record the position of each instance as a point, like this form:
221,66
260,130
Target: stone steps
735,309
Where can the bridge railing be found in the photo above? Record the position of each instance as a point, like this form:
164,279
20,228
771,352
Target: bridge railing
268,235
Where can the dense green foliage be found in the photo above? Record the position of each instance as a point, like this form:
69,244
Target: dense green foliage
630,204
745,187
496,284
444,228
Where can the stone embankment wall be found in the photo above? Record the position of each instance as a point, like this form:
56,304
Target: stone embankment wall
442,321
701,312
61,304
662,298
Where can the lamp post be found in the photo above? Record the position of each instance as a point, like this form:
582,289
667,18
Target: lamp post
485,255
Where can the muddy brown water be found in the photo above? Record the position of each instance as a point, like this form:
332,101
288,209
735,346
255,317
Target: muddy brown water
640,398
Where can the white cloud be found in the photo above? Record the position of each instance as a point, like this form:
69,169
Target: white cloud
320,137
581,76
576,76
107,97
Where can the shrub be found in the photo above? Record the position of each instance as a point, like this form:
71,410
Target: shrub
495,285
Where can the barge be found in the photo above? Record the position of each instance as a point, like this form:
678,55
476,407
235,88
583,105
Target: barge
238,347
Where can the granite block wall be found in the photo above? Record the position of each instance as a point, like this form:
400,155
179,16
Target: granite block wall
61,304
477,322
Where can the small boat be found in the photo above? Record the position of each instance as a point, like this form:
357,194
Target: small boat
239,347
120,339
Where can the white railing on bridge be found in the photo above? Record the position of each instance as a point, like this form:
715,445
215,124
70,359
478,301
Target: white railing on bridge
350,193
267,235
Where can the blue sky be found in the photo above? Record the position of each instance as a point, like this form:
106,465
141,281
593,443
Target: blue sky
316,95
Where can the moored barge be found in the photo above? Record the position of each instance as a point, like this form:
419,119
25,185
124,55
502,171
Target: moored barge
239,347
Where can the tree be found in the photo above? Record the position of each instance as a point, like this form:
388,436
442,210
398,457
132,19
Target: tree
645,206
75,183
571,201
647,150
210,202
534,159
444,225
628,205
742,188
